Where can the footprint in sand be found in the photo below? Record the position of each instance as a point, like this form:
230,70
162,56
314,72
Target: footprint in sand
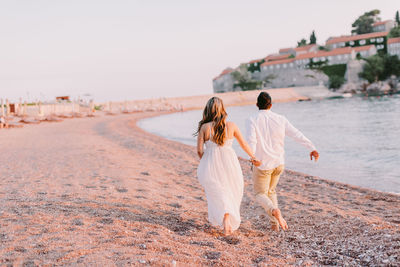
258,260
212,255
20,249
175,205
91,186
152,233
199,198
77,222
203,243
316,210
106,221
121,190
231,240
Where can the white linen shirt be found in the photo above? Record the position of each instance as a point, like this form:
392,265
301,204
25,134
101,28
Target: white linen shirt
265,133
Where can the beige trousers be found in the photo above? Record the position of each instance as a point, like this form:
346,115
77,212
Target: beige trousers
265,182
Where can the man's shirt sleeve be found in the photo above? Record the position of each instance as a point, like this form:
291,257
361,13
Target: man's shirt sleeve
251,134
296,135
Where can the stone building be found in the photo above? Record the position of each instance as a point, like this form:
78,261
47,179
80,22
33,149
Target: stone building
394,46
383,26
291,66
224,82
299,50
295,71
378,39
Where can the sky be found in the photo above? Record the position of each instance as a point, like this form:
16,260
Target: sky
137,49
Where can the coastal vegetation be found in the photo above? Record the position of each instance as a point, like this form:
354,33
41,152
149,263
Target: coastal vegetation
380,67
336,73
303,42
371,49
244,80
363,24
313,38
395,32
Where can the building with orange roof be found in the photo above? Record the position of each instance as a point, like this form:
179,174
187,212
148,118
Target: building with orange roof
337,56
293,66
306,49
289,50
254,61
376,38
254,65
274,57
299,50
224,81
383,26
296,71
223,73
394,46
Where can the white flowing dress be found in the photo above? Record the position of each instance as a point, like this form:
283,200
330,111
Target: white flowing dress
220,174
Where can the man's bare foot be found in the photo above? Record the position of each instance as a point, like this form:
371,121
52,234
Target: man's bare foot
227,225
275,227
277,214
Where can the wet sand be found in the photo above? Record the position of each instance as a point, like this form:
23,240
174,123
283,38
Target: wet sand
101,191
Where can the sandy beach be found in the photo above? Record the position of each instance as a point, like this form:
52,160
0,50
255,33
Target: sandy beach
102,192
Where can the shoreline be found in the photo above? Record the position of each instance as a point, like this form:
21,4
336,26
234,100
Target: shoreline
336,184
103,191
238,98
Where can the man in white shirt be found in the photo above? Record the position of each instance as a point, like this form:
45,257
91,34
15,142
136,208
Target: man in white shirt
265,133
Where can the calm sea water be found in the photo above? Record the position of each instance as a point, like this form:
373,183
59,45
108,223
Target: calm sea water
358,139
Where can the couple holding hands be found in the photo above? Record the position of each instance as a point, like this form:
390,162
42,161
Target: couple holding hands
219,171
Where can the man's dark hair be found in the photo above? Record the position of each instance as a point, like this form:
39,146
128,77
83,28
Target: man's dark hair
264,100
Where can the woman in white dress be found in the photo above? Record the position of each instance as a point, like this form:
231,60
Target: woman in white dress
219,170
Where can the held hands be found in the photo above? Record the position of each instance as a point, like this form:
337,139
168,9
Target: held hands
314,154
255,162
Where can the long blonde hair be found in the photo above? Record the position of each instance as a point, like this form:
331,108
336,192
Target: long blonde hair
214,111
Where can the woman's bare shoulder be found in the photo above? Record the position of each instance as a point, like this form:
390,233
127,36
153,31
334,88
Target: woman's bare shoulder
231,124
206,126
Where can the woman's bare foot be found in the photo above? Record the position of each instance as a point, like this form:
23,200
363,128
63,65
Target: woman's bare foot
227,225
277,214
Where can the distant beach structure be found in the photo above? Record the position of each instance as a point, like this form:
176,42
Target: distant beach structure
62,98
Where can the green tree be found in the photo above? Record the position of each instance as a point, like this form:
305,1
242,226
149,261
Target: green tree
391,66
302,42
363,24
241,74
313,38
243,79
395,32
397,18
380,67
335,81
373,69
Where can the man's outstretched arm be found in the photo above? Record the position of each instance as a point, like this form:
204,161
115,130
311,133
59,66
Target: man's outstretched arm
299,137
